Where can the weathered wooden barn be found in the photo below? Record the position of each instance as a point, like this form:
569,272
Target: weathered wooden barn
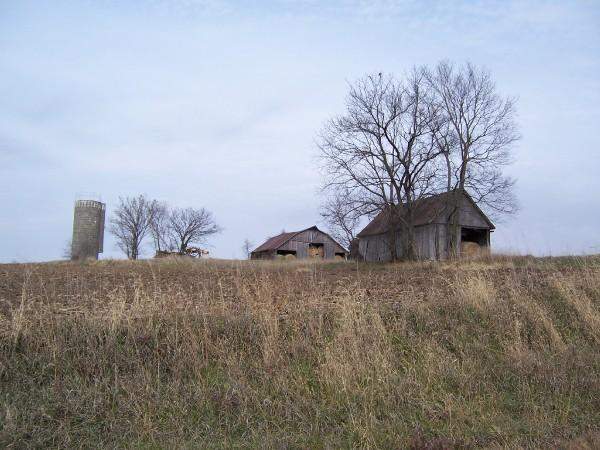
309,243
432,217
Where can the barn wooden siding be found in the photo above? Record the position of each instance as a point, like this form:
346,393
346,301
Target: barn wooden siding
429,244
430,239
301,242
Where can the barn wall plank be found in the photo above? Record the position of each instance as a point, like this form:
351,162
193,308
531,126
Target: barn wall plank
301,241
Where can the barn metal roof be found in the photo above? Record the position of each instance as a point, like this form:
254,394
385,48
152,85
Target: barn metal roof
427,210
275,242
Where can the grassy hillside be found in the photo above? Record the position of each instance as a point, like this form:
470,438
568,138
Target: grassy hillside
504,352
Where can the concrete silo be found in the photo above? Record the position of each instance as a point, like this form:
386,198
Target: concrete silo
88,229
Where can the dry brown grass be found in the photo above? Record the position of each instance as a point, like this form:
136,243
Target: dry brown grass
494,352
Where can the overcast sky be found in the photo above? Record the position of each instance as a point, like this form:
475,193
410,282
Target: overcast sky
217,104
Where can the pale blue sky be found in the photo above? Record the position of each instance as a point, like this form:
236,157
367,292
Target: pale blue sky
217,103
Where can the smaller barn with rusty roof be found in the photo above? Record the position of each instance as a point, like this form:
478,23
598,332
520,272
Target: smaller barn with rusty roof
308,243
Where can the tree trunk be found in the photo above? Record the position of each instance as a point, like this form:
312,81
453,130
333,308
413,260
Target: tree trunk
409,246
392,243
448,172
392,228
454,225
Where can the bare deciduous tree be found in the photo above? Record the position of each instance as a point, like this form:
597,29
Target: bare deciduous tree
342,215
159,226
247,248
130,224
381,151
399,141
476,135
191,226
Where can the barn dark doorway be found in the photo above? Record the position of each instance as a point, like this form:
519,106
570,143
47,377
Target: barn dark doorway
473,242
286,254
477,235
316,250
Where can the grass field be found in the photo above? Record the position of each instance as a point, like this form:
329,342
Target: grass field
497,353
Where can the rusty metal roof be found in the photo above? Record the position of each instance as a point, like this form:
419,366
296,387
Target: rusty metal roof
427,210
275,242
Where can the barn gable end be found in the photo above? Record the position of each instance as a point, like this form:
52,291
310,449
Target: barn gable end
307,243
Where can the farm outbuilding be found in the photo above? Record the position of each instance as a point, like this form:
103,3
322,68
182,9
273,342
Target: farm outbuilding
432,225
308,243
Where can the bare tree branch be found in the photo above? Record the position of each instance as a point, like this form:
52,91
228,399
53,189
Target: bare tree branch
476,135
342,214
380,152
130,224
247,247
191,226
159,226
